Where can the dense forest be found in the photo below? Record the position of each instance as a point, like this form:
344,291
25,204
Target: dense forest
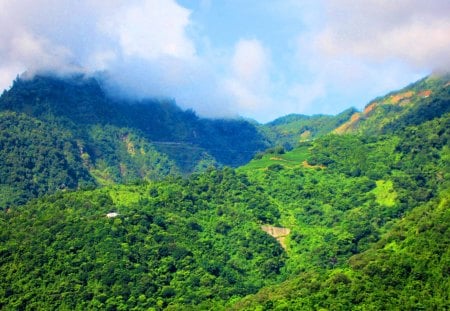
354,214
84,138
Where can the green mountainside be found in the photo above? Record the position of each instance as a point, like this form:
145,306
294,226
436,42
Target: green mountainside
177,242
421,101
357,219
66,133
292,129
370,226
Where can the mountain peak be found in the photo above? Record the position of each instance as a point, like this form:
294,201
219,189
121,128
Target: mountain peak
76,97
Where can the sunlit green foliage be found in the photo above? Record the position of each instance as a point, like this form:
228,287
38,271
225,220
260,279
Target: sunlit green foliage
351,202
177,242
408,269
292,129
264,160
36,158
368,215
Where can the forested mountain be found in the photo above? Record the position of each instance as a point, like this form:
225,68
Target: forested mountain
292,129
59,133
80,101
356,219
369,219
67,133
421,101
180,242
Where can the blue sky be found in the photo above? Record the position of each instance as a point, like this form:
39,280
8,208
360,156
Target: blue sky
256,59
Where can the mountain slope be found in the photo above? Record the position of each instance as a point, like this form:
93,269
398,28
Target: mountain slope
174,243
99,140
358,220
41,157
37,158
357,210
416,103
81,101
406,270
294,128
394,189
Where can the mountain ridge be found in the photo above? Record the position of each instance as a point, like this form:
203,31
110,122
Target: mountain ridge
365,214
124,141
121,141
418,102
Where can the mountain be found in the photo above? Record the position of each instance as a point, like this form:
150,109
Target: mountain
363,231
172,243
369,219
60,133
419,102
292,129
407,269
354,220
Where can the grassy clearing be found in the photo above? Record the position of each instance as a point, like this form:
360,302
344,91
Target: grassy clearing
290,159
126,195
385,193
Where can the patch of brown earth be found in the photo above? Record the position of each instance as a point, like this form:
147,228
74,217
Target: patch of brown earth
349,125
129,144
369,108
305,164
305,135
425,94
279,233
355,117
395,99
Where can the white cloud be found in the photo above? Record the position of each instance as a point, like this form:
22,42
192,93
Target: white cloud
248,83
250,61
254,86
155,48
143,45
363,49
24,48
150,29
413,31
303,96
61,36
40,54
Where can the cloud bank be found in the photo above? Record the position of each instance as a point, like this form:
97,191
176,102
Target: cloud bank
143,45
363,49
414,31
308,57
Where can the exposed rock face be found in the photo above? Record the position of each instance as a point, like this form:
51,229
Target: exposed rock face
278,233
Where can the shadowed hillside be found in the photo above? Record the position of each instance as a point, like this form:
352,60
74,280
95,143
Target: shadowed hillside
67,133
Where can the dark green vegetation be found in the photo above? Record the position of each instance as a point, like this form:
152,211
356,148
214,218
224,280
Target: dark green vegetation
66,133
178,242
370,222
294,128
368,213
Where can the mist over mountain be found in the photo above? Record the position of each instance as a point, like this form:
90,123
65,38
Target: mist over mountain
291,58
108,139
100,139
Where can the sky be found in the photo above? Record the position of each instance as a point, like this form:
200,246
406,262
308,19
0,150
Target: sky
258,59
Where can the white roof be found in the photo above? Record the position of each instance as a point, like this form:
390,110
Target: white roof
112,215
